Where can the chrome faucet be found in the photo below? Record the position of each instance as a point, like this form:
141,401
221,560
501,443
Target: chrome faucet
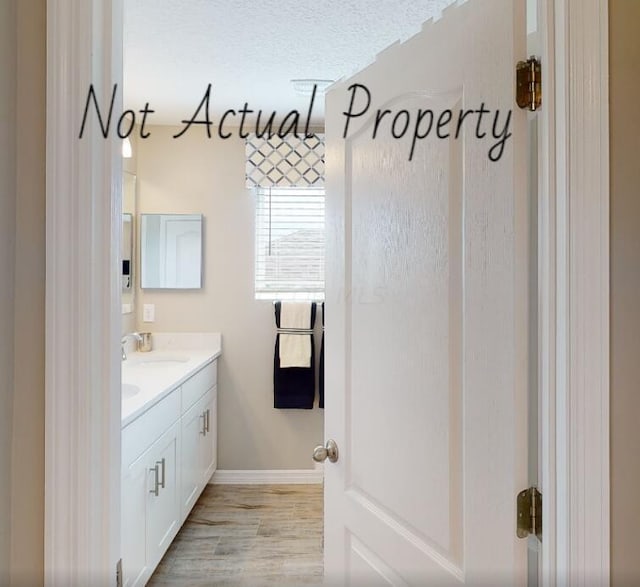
133,335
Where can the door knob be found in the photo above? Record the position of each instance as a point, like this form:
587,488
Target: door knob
322,453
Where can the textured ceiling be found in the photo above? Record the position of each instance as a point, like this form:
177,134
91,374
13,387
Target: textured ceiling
250,51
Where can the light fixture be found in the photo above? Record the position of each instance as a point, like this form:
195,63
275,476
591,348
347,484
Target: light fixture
304,87
127,149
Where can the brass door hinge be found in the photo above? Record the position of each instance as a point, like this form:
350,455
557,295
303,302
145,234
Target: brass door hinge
529,513
529,84
119,573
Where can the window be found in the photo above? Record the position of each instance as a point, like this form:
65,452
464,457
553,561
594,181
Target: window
289,243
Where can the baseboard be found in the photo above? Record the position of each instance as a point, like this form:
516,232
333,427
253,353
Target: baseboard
266,477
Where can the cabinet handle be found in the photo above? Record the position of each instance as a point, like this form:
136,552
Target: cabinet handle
156,488
204,423
208,419
163,464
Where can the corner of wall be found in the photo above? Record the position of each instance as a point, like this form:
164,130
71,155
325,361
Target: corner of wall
624,16
27,467
8,66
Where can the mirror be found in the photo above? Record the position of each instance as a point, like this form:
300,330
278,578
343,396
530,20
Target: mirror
171,251
127,251
128,240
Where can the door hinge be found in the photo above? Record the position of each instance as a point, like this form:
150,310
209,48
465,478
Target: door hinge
529,84
530,513
119,573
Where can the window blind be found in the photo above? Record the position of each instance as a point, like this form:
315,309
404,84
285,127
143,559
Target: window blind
290,231
291,161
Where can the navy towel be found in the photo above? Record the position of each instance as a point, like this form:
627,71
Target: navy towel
293,387
321,375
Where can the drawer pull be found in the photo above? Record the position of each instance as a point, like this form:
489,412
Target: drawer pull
163,464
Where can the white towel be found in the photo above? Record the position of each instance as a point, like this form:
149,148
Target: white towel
295,349
295,315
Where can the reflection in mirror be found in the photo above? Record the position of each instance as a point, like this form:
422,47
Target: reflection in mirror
127,251
128,241
171,251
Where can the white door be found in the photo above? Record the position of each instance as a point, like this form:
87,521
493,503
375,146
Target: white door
426,331
182,251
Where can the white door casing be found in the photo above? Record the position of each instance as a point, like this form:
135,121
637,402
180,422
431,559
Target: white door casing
84,45
427,306
83,298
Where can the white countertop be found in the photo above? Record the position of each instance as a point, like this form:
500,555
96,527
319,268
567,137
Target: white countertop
159,372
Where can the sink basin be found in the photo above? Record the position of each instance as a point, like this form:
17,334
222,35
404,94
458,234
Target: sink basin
164,360
129,390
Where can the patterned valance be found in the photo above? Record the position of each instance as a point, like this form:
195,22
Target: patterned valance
290,162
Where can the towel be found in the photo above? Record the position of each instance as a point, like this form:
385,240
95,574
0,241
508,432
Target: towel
295,349
294,387
295,315
321,375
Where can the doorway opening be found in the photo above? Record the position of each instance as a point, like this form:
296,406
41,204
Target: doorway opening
184,167
67,546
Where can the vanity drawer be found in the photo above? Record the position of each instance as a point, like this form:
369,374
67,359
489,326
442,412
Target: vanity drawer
138,436
195,387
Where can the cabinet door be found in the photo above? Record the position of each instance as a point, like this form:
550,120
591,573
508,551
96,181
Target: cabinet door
193,438
163,501
210,444
133,530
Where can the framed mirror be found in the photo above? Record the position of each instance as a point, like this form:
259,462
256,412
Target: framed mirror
171,251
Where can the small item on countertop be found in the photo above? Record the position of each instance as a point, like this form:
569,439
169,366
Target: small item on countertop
145,345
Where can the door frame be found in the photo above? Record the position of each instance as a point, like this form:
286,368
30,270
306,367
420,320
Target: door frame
574,291
83,314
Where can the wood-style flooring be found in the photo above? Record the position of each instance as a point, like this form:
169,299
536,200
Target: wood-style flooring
248,536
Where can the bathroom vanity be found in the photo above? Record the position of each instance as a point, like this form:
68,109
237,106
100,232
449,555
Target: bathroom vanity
169,424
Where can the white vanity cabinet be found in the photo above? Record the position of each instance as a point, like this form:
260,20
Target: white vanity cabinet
209,455
150,507
133,530
194,438
163,515
168,457
199,425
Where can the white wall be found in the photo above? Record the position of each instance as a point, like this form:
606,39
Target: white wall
8,58
625,292
196,175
